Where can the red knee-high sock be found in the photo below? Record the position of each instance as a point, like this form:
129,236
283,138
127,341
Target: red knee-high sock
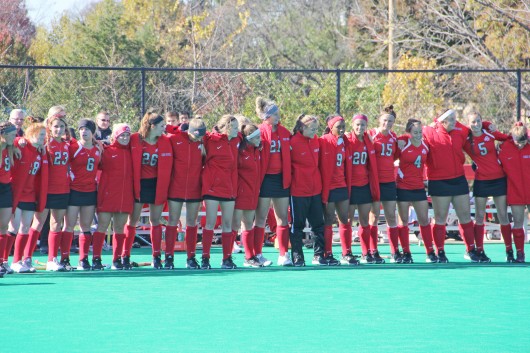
191,241
84,245
373,238
207,238
403,232
518,239
156,239
438,234
247,237
506,231
479,236
364,235
426,236
33,237
328,240
393,238
10,241
171,238
282,234
54,239
468,233
118,241
130,234
20,244
3,244
227,243
259,237
345,234
66,244
98,239
234,237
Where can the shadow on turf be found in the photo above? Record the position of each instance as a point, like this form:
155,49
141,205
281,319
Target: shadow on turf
4,284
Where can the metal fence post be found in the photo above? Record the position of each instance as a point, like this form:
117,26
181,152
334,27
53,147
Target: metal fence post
519,79
337,93
142,94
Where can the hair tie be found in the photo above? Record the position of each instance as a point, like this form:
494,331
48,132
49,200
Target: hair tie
445,115
155,120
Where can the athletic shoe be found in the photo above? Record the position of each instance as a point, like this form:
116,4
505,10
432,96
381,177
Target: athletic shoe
252,262
7,268
407,258
263,261
66,264
367,259
472,255
168,263
236,249
396,258
377,258
157,263
117,265
2,271
205,263
285,260
431,257
54,265
19,267
84,265
332,261
97,265
192,264
520,257
126,262
509,256
29,264
228,264
349,259
442,258
483,257
319,260
298,260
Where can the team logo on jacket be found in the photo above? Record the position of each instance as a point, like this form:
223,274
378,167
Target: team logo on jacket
486,138
423,151
391,139
286,139
97,153
316,150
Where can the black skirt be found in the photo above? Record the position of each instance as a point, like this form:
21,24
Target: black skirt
388,191
272,186
449,187
79,198
57,201
487,188
338,195
147,191
27,206
360,195
405,195
6,196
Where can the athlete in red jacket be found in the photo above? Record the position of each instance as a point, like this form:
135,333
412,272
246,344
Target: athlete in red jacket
386,152
490,181
115,191
219,186
306,189
248,186
411,190
185,186
515,159
152,159
8,132
276,179
335,168
30,183
364,185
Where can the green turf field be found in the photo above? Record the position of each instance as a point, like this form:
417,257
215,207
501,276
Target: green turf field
455,307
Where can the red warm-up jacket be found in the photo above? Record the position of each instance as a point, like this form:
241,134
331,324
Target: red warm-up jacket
187,167
306,179
372,162
22,170
249,178
164,166
516,165
219,177
285,137
328,162
115,188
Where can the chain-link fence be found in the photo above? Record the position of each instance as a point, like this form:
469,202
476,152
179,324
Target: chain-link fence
499,95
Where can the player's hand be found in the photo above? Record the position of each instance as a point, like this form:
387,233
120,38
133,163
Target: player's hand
17,153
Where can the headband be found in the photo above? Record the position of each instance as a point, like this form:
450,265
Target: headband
334,120
256,132
8,129
89,124
197,131
360,116
445,115
269,111
125,129
156,120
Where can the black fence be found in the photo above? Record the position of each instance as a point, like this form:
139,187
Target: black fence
500,95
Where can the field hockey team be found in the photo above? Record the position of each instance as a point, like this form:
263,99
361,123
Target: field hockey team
242,170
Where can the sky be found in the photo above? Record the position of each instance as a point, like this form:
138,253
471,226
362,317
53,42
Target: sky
43,12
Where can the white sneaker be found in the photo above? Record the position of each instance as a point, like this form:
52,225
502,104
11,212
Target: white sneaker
29,265
285,260
6,267
236,249
19,267
54,265
263,261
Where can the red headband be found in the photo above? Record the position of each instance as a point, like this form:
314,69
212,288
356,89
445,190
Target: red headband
334,120
360,116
